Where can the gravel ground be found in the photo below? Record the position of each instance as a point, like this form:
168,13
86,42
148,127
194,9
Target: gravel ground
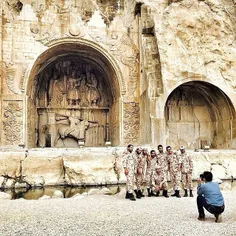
113,215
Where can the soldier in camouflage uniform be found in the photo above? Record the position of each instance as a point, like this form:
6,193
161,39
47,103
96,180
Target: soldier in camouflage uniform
145,157
186,171
151,163
159,182
130,169
174,168
162,161
139,173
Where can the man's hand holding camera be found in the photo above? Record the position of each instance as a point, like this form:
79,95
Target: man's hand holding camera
200,179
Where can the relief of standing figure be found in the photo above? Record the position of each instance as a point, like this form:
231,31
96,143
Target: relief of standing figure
93,93
72,90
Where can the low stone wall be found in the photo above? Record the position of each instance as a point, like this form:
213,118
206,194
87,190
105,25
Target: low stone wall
91,166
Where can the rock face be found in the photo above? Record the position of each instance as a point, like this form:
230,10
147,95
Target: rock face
108,73
92,166
5,195
57,194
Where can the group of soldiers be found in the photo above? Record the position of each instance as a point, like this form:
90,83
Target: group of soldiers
152,169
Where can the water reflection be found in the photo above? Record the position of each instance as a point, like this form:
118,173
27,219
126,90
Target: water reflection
69,192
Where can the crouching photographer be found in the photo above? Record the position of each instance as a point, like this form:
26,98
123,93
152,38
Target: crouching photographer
209,197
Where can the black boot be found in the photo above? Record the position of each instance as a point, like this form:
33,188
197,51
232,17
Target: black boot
185,193
137,194
127,196
174,195
191,193
177,193
149,192
157,194
132,198
140,193
165,193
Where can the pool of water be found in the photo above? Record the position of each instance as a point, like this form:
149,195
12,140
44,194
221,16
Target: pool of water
69,192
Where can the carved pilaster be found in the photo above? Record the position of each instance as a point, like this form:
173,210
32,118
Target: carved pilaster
31,124
131,123
13,122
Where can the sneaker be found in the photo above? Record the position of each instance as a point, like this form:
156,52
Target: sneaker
218,218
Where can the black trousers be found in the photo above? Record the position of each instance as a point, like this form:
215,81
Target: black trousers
201,204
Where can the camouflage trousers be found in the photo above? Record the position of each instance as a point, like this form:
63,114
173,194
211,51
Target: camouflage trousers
187,181
175,179
139,181
164,187
130,183
149,174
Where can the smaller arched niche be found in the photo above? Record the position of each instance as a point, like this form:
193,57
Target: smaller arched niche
199,114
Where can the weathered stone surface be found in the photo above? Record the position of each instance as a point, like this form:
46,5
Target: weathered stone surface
95,166
78,196
10,168
44,197
106,191
94,191
58,194
122,192
43,168
4,196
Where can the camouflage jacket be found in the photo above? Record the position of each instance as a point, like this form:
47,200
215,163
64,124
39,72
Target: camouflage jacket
186,162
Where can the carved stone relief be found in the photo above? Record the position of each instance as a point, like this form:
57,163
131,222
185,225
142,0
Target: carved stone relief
76,26
128,18
128,54
13,122
15,78
44,34
108,9
69,18
73,105
151,58
11,83
114,123
31,124
14,5
71,84
131,122
147,21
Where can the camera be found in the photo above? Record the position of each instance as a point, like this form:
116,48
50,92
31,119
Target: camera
201,176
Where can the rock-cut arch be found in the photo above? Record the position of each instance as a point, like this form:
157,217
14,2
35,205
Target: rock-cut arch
73,95
199,114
